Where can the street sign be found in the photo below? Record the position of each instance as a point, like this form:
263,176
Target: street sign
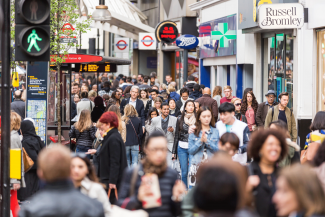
147,41
32,30
121,45
102,67
166,32
187,42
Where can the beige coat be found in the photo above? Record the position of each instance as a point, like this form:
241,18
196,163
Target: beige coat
96,191
291,121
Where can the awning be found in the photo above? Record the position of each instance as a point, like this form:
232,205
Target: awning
127,20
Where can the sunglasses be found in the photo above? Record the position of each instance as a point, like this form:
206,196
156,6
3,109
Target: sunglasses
237,104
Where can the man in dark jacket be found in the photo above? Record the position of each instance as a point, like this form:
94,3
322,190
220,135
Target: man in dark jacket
190,83
196,92
154,93
18,105
264,107
184,97
206,100
59,197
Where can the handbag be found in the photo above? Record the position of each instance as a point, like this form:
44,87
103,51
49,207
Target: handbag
135,132
28,162
309,153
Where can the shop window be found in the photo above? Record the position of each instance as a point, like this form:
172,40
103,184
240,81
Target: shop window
179,69
321,70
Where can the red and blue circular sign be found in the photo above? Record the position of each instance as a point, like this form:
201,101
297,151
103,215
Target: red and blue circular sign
147,40
121,45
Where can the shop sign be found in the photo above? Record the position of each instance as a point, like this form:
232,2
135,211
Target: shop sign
187,42
166,32
281,16
121,45
101,67
147,41
218,37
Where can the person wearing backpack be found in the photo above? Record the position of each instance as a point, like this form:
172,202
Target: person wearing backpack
282,112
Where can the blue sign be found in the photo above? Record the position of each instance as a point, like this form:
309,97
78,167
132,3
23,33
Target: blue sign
151,62
187,42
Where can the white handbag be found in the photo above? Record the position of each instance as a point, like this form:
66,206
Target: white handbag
119,212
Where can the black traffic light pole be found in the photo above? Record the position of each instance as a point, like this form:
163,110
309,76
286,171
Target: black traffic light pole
5,109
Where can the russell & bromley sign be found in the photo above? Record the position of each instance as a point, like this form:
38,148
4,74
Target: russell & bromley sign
281,16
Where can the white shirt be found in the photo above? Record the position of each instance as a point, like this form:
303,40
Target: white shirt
134,103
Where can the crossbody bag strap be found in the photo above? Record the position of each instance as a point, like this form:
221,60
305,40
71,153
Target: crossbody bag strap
134,130
91,106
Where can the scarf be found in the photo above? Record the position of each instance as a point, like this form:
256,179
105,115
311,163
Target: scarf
189,119
172,111
148,167
184,101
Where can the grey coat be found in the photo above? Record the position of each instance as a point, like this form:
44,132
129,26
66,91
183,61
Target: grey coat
172,121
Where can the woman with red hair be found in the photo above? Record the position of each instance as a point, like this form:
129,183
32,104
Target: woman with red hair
111,154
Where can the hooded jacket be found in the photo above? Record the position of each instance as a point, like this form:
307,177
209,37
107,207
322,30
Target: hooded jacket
174,95
195,95
190,85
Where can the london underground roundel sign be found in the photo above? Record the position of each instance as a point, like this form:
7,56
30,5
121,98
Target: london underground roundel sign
187,42
147,41
121,45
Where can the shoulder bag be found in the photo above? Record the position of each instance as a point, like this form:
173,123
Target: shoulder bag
135,132
28,162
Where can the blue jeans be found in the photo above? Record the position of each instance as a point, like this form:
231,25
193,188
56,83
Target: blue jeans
183,157
132,152
83,149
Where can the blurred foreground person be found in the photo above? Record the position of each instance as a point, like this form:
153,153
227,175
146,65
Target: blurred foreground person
267,148
299,193
59,197
32,144
85,180
319,164
229,143
152,181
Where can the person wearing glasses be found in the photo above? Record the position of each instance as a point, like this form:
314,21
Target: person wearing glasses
238,115
264,107
227,90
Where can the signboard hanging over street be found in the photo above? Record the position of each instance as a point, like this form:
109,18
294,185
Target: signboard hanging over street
147,41
121,45
281,16
166,32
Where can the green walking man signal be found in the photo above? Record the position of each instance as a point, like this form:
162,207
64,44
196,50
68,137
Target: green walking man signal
32,40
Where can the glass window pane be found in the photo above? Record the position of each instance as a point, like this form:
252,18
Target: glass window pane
289,69
321,71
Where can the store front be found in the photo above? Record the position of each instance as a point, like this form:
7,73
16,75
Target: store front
320,74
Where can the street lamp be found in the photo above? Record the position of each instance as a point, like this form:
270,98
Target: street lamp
101,13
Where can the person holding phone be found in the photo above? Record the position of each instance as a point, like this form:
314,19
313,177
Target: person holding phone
153,178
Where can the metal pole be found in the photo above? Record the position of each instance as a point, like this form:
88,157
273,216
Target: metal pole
98,42
5,110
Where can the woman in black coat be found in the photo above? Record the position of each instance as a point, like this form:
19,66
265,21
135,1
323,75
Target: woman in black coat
32,144
111,156
98,110
134,134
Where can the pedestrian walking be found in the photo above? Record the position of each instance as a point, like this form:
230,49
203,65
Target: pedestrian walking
151,103
172,93
133,134
267,148
190,83
54,169
158,102
184,93
167,124
229,143
33,145
196,92
173,111
121,124
180,147
264,107
98,110
18,105
217,94
227,90
84,132
238,115
137,189
85,180
162,88
152,113
84,104
203,143
249,109
206,100
112,155
117,96
92,95
293,155
144,96
282,112
299,193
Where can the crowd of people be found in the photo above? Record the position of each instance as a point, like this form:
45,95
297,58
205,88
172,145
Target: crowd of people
142,145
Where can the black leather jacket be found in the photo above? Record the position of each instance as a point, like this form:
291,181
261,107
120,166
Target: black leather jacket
180,135
61,199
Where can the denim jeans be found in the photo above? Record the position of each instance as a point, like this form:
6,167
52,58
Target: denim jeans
83,149
132,152
183,157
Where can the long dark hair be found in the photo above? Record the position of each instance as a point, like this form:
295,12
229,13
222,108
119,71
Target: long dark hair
198,124
181,121
244,104
91,170
152,109
114,97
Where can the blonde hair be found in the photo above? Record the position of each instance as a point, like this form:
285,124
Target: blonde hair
116,110
84,121
15,121
227,87
92,93
308,189
163,86
233,100
171,88
217,91
129,111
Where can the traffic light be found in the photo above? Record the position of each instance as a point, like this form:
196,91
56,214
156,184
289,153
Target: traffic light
32,30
